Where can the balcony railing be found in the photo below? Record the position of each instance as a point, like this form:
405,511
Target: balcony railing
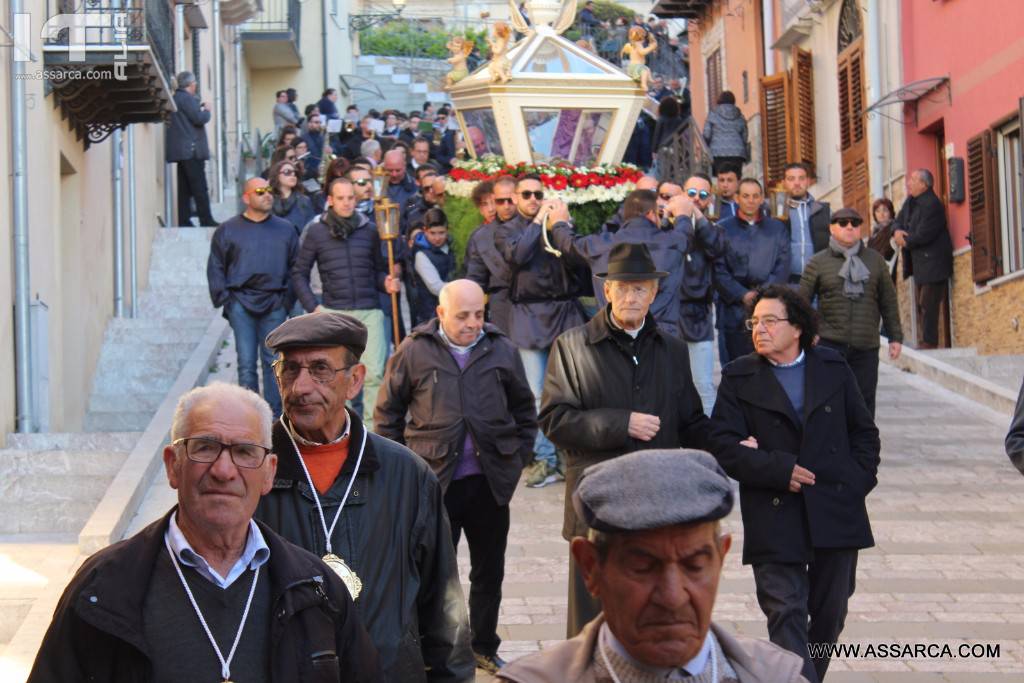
277,16
271,38
122,53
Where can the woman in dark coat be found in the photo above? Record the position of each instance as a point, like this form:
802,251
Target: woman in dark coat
791,426
290,202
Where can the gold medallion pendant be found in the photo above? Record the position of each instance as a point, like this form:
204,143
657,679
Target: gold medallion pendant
345,573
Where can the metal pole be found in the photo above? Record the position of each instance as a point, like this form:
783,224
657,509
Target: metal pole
179,37
118,214
179,66
323,44
240,126
768,36
25,408
218,100
874,56
133,264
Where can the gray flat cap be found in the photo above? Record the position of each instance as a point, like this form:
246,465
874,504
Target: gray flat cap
652,489
326,328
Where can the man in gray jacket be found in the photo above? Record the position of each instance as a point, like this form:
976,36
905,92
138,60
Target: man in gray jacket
185,144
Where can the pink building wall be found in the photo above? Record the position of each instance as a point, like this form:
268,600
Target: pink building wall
980,47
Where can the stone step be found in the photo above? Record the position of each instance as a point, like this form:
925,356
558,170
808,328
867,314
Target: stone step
134,332
73,441
159,350
12,612
106,403
129,366
17,464
383,69
55,514
100,421
142,384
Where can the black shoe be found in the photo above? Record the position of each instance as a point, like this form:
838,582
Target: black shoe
489,663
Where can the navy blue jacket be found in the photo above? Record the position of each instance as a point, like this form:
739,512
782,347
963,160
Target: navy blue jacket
755,255
400,193
250,262
186,133
298,214
352,270
706,249
486,266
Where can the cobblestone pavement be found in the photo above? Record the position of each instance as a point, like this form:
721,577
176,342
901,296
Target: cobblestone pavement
948,566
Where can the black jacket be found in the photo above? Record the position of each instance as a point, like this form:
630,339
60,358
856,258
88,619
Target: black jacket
185,136
352,270
487,267
596,377
490,397
250,263
542,287
755,255
97,629
928,255
1015,437
394,534
706,249
836,439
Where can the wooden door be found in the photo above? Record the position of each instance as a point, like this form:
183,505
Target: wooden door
852,129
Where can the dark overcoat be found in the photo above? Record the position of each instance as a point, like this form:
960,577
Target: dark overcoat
836,439
928,255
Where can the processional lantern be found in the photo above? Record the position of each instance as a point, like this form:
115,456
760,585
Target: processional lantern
546,99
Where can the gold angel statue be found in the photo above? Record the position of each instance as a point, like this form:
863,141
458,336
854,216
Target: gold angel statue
500,68
638,48
460,49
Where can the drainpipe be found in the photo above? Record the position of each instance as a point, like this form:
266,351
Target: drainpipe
241,126
133,265
118,214
323,42
874,56
179,64
218,120
768,35
24,417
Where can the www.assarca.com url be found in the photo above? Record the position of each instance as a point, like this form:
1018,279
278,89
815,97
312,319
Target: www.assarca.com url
70,75
903,650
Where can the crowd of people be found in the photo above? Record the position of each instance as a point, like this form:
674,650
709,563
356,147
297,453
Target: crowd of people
385,432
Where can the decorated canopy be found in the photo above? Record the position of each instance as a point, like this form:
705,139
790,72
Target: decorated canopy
562,103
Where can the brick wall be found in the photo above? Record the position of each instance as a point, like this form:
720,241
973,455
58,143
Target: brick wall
986,320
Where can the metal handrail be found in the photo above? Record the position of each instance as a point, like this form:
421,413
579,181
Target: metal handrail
277,16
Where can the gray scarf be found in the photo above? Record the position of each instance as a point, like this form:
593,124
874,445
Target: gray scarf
853,270
339,226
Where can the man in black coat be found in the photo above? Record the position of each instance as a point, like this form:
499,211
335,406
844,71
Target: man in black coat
485,265
920,229
165,604
186,145
370,507
616,385
791,426
471,417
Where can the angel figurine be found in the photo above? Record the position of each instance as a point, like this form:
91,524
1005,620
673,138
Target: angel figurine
460,49
500,67
638,48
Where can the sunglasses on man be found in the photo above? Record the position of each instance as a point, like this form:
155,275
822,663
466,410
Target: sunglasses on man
536,194
260,191
361,181
693,193
848,222
503,200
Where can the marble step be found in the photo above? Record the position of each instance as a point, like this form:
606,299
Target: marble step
73,441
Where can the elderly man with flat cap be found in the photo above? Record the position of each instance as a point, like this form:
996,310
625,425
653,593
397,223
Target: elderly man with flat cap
616,385
654,555
371,508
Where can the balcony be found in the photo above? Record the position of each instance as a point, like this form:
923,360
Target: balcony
109,64
271,38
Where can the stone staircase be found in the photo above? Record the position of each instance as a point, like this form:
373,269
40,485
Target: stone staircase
50,483
404,82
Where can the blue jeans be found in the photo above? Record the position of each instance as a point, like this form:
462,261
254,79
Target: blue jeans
250,331
702,367
535,361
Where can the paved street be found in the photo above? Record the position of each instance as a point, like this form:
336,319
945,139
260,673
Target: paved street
948,566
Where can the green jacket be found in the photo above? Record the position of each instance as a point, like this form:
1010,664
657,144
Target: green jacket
852,321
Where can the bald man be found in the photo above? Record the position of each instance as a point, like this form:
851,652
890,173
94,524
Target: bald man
616,220
401,186
455,392
251,257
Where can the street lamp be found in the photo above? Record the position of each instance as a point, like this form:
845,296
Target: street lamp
359,22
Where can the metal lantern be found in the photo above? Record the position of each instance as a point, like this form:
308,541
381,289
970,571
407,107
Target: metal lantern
380,183
714,209
780,204
388,217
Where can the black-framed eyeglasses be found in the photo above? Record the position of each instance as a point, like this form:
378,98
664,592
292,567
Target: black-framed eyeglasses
503,200
536,194
769,322
203,449
693,193
848,222
320,370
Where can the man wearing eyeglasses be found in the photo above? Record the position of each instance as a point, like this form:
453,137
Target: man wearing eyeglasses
206,593
248,274
791,426
371,508
854,293
485,265
757,253
543,291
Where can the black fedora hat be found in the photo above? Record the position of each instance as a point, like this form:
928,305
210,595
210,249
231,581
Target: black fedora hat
628,261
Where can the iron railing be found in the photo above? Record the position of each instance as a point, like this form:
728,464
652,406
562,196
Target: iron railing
277,16
684,154
119,22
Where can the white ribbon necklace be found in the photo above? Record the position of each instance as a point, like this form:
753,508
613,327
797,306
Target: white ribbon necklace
225,664
347,575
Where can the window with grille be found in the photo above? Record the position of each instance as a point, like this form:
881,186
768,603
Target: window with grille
714,77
